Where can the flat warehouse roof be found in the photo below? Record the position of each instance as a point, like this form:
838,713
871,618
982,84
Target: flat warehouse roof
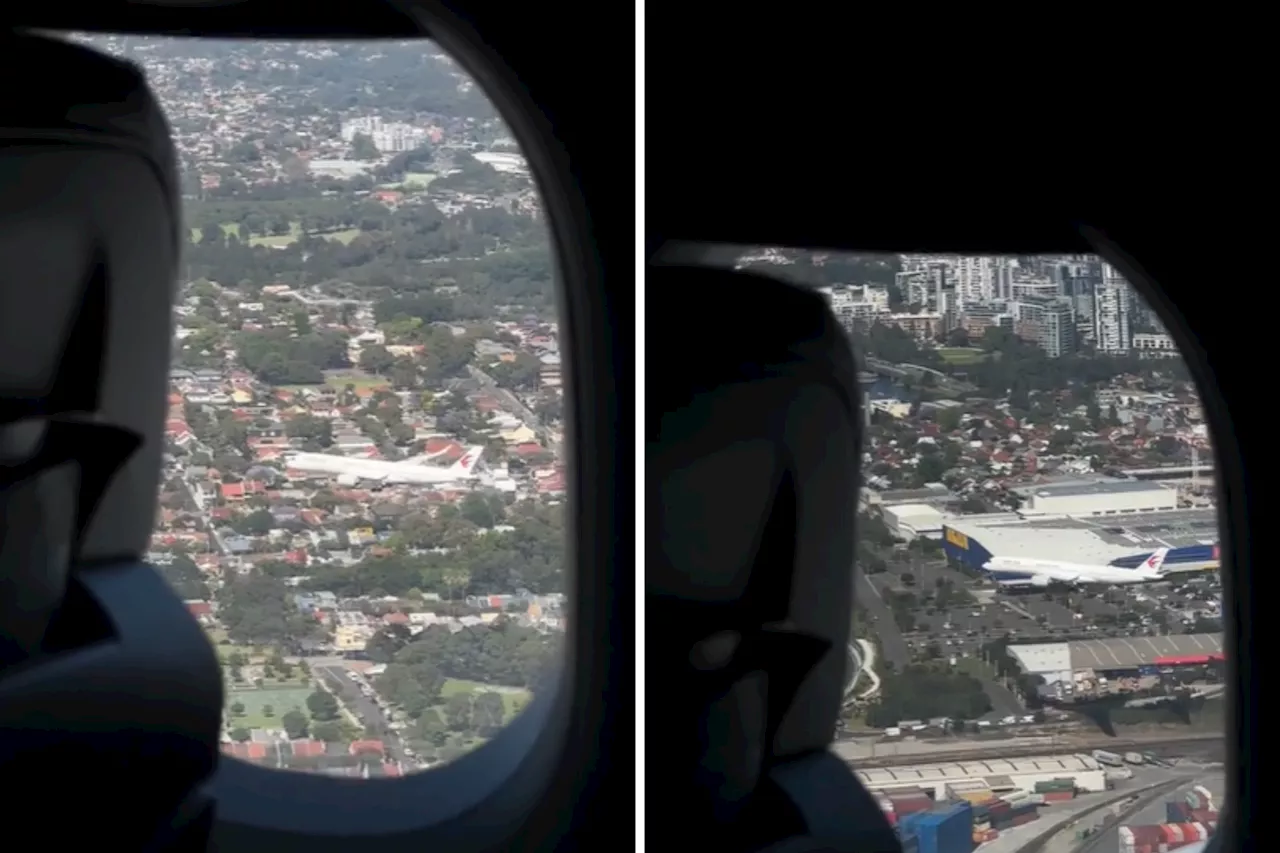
932,774
1140,651
1100,487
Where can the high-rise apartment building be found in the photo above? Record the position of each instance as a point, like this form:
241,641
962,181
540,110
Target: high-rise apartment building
1113,313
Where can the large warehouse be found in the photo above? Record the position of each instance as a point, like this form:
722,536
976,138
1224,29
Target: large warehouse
1124,540
1118,657
1092,498
999,774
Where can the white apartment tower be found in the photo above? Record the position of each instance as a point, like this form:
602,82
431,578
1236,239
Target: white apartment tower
1112,313
975,282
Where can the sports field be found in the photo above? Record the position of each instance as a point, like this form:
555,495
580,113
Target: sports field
280,700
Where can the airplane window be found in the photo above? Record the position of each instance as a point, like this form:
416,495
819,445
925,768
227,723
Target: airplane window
1038,493
363,491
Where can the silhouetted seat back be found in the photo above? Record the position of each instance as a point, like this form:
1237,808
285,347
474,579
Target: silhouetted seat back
753,458
110,696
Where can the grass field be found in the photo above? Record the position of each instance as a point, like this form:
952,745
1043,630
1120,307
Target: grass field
421,179
281,699
514,699
360,381
961,355
295,231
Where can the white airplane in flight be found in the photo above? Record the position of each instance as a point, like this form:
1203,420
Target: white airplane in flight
1024,570
413,471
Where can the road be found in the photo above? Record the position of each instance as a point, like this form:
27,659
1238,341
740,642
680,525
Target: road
202,508
511,403
339,680
892,644
1154,812
866,752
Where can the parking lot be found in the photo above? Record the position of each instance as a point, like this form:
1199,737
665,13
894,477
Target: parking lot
953,614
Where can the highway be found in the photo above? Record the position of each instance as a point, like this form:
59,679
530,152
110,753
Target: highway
866,754
1108,841
339,680
892,645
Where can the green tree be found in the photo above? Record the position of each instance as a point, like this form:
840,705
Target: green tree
295,724
362,147
376,359
323,706
949,419
240,735
458,712
329,731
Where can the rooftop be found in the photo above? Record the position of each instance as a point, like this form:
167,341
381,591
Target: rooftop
1091,540
1137,651
1057,541
932,774
1092,487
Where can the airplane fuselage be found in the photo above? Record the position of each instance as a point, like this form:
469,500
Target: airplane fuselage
374,469
1021,569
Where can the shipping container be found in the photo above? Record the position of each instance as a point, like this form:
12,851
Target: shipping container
946,829
1020,820
967,785
1192,831
1059,796
1134,836
910,807
907,791
1176,811
1001,821
911,844
975,798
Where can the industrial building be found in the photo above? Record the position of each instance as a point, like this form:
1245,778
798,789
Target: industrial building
1094,498
998,774
1125,540
1063,663
912,520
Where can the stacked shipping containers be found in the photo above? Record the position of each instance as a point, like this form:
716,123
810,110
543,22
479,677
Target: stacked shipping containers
886,806
1057,790
1161,837
945,829
971,792
909,801
1002,815
1180,811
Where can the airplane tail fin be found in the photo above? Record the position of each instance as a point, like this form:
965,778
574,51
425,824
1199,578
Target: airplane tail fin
1155,562
424,458
466,466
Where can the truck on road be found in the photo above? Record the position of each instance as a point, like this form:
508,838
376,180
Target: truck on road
1109,758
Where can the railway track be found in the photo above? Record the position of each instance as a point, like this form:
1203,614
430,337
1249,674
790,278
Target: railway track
995,750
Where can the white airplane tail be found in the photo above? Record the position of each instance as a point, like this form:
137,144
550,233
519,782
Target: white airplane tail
424,458
1155,563
466,466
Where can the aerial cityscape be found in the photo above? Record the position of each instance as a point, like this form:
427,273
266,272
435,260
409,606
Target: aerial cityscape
363,498
1037,658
